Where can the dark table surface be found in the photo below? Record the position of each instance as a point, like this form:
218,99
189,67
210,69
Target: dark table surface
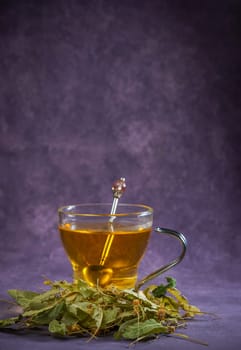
220,331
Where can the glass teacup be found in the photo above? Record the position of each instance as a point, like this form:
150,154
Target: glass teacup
107,248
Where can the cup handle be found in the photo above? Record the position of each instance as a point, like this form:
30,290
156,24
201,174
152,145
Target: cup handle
174,262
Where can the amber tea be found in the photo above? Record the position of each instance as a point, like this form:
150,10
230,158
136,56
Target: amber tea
84,247
106,249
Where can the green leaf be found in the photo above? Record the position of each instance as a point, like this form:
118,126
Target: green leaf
98,318
57,328
119,333
110,315
171,307
161,290
44,299
88,314
22,297
46,316
9,321
145,328
69,319
76,308
85,290
184,303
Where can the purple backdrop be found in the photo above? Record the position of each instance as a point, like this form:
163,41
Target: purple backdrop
149,90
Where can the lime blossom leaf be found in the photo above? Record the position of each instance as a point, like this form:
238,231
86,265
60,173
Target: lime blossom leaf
9,321
110,316
48,315
22,297
79,309
162,289
57,328
145,328
191,310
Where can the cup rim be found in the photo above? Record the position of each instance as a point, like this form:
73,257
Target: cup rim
66,210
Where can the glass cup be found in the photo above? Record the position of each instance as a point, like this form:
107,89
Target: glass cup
106,248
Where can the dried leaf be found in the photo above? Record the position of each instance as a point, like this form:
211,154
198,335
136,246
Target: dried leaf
46,316
143,329
162,289
9,321
78,309
22,297
56,327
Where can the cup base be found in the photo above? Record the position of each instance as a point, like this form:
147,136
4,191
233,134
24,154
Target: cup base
105,276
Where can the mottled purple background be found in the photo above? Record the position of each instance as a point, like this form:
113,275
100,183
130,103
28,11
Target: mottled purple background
149,90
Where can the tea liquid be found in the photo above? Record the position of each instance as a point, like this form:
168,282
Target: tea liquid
84,246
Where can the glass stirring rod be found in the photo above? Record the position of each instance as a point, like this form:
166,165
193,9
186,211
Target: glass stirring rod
118,188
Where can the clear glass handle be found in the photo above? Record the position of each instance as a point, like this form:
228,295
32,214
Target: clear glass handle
174,262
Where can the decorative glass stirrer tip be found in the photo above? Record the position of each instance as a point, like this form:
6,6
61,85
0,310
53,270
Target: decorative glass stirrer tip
119,187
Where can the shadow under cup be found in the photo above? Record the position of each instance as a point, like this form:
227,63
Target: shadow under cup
107,249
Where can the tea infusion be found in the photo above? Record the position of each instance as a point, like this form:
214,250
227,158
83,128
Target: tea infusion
84,247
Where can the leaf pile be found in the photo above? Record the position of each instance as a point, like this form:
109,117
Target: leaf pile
78,309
